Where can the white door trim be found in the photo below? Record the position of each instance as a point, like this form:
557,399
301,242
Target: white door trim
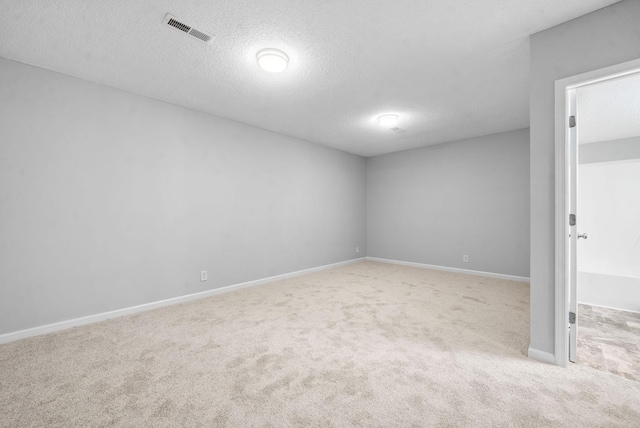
572,203
562,272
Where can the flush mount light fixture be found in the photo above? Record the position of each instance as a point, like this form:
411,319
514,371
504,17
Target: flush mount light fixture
272,60
388,120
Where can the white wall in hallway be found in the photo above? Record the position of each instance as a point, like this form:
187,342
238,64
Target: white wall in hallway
609,212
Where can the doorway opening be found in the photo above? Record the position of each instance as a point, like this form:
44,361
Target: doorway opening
567,217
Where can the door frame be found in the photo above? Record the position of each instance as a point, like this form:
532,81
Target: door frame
562,193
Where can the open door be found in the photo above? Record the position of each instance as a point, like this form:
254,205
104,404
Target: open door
573,228
566,186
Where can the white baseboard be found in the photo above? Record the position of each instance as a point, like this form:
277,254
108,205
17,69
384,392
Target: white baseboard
63,325
608,307
619,292
545,357
450,269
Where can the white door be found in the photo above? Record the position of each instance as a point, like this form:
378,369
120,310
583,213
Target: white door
574,218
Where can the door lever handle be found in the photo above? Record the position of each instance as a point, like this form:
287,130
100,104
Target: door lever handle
582,235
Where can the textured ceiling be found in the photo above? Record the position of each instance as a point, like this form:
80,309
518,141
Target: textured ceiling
451,69
609,110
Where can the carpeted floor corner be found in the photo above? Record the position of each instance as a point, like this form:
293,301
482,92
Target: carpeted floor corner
367,344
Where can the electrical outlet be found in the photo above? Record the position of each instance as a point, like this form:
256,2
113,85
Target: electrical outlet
357,249
203,275
465,258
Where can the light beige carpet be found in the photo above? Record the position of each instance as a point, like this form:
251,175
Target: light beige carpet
368,344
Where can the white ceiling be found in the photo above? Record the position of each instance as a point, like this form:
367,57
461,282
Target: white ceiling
451,69
609,110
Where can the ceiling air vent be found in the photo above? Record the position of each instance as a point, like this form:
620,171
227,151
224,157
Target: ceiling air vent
181,26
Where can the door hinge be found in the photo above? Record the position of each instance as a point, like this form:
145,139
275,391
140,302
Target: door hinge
572,317
572,121
572,219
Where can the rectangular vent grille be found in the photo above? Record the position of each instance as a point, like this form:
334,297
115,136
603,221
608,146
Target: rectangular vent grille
180,26
199,34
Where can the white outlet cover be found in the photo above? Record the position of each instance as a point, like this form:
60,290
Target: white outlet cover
203,275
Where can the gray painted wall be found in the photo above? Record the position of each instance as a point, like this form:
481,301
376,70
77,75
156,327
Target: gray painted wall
109,200
609,151
434,204
603,38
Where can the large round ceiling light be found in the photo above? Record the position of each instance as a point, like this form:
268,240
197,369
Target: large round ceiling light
388,120
272,60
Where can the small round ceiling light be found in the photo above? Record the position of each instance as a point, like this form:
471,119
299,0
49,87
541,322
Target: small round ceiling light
388,120
272,60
